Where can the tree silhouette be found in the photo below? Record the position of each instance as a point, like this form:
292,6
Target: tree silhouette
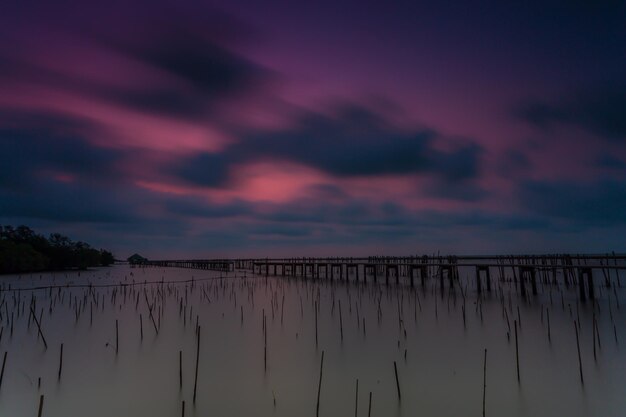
22,250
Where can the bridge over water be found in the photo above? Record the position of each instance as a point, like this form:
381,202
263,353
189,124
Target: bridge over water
585,271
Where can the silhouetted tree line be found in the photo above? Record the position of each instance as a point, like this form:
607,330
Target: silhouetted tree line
23,250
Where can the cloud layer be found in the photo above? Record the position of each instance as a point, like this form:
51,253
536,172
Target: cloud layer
184,130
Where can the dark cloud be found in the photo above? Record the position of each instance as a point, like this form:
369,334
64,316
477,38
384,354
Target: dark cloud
352,213
469,191
163,100
61,177
191,93
602,202
187,59
203,73
205,66
196,207
206,169
357,142
25,155
305,212
512,163
279,230
353,143
43,123
311,210
611,162
602,112
389,223
70,202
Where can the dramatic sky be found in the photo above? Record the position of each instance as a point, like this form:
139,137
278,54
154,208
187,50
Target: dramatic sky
180,129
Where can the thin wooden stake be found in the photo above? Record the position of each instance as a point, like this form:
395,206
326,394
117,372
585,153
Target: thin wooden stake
4,362
484,381
598,334
60,362
395,368
316,324
40,406
319,387
356,399
516,350
593,337
195,384
340,321
548,317
38,328
180,369
117,338
580,362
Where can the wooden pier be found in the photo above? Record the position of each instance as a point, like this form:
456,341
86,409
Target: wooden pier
585,271
224,265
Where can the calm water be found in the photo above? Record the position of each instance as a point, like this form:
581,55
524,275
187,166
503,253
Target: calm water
439,355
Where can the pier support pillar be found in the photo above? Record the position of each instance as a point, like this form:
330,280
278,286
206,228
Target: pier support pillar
522,283
581,286
589,274
488,279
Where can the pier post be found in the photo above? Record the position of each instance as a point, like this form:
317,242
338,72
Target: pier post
441,284
589,273
522,283
581,286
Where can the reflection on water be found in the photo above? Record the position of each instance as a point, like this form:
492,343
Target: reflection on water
436,339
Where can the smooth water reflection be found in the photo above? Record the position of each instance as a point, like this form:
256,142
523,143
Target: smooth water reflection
439,358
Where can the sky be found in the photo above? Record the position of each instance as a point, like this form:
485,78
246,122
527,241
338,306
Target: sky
182,129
